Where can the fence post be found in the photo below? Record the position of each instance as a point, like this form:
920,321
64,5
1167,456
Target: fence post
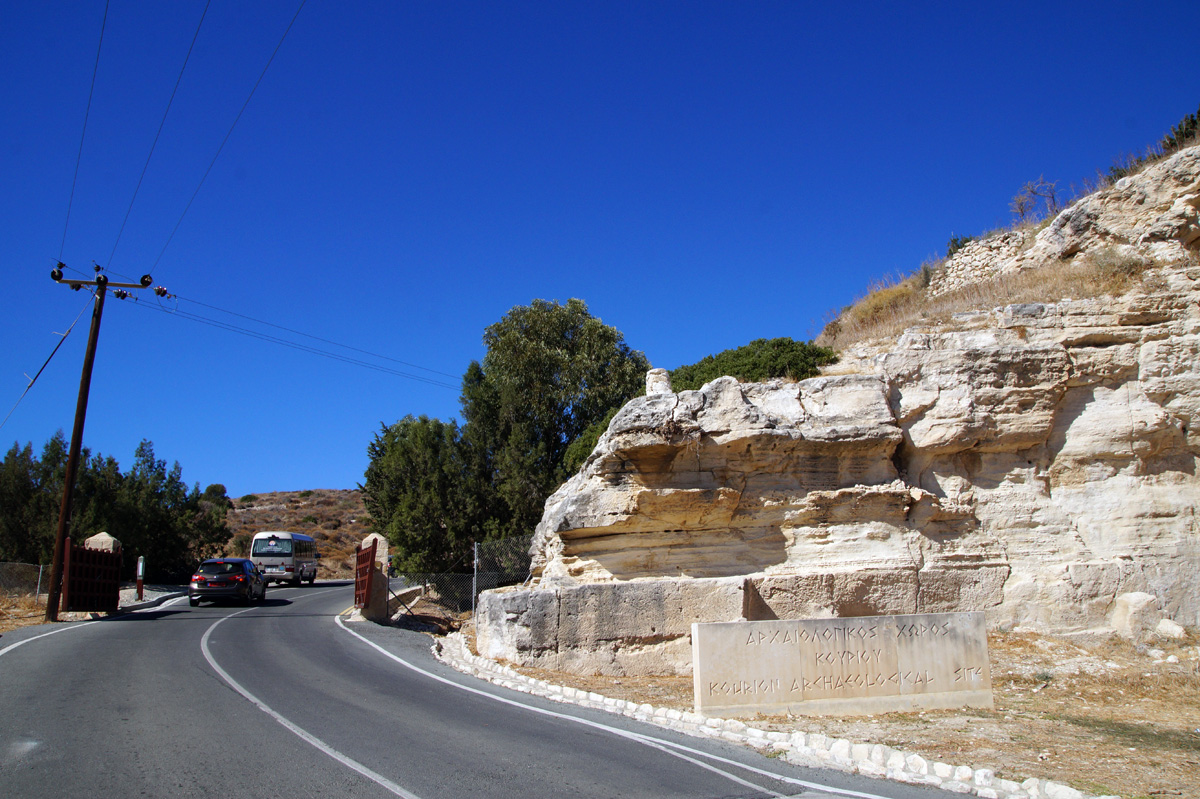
474,577
37,594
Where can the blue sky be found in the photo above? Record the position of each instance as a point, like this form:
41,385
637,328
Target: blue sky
701,174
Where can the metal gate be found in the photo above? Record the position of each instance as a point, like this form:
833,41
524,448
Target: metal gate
364,568
91,579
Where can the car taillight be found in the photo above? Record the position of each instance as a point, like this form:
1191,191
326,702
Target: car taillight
290,569
241,578
195,578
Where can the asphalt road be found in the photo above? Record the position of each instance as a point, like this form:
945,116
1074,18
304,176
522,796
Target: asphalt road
287,699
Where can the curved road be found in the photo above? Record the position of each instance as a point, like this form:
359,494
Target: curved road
284,698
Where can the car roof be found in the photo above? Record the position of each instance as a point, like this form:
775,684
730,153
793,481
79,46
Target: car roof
225,560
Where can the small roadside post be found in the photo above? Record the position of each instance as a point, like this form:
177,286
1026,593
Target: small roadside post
141,572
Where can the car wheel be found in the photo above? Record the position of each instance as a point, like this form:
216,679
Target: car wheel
312,578
193,601
262,595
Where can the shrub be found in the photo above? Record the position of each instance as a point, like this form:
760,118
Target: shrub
248,499
309,519
239,545
761,359
955,244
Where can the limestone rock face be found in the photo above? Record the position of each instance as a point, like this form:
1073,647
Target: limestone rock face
1034,462
1158,208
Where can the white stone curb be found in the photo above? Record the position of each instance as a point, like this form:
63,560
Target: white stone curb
803,749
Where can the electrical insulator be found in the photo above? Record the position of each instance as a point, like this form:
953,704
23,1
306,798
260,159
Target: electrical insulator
56,273
160,291
146,281
121,294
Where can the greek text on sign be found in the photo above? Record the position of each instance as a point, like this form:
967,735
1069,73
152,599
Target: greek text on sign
870,664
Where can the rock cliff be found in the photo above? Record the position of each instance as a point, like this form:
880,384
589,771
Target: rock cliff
1033,462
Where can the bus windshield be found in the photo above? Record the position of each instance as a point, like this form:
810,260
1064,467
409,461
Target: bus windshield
272,546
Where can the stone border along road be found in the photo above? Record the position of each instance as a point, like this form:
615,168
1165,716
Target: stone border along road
802,749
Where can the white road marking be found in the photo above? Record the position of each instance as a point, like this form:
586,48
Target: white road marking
669,747
11,647
295,729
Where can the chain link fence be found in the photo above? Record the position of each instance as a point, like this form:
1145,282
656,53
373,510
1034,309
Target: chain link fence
19,579
497,563
503,562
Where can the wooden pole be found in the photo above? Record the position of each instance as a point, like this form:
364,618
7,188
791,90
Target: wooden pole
64,512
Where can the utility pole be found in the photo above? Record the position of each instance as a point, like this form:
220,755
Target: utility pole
102,284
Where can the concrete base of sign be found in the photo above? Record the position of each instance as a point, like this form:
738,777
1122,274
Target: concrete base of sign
844,666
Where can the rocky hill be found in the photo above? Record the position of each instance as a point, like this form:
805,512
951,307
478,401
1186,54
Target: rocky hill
1032,461
336,519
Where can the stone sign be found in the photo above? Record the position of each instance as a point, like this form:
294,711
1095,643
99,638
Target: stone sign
859,665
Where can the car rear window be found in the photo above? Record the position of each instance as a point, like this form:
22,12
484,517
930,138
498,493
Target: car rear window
220,567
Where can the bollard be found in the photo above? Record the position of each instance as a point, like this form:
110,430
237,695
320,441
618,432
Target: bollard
141,570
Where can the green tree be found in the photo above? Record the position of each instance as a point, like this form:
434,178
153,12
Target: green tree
579,449
417,488
20,536
149,510
550,372
761,359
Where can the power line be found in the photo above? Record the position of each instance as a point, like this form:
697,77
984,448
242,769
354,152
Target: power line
44,365
227,135
153,144
317,338
303,347
83,135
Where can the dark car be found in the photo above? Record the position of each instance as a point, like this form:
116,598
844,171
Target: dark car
227,578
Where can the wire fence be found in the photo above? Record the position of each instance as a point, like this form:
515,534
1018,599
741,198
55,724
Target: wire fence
17,579
497,563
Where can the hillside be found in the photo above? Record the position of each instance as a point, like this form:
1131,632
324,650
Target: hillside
335,518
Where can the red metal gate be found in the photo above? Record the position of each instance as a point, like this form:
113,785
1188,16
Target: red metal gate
364,567
91,579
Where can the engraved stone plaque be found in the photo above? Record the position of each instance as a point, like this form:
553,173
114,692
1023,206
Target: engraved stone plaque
859,665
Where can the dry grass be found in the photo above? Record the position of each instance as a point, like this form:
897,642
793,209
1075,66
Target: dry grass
1108,718
336,519
20,610
891,308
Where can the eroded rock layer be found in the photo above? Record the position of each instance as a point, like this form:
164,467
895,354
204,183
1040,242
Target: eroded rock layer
1033,462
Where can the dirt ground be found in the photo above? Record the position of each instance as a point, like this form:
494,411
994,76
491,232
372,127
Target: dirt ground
1107,718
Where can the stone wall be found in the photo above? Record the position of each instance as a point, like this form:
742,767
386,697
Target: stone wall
978,260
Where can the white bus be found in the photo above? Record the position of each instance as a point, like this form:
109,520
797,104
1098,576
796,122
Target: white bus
284,557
